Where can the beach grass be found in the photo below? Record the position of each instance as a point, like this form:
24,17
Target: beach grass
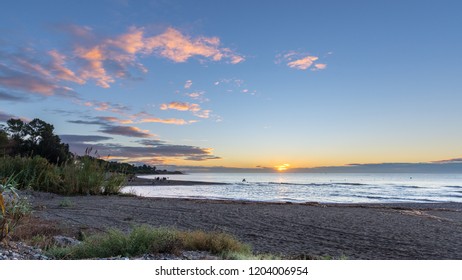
147,240
84,176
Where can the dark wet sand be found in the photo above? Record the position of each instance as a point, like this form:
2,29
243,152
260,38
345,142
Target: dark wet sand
357,231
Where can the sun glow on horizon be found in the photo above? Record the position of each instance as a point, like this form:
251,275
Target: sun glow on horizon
282,167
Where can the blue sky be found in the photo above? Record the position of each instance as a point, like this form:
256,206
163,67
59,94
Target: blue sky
239,83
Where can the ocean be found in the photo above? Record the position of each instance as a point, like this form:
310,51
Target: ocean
311,187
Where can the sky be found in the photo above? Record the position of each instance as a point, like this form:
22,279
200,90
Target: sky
278,85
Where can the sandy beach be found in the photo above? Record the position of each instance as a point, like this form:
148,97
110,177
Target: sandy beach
356,231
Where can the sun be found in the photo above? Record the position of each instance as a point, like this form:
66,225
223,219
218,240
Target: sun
282,167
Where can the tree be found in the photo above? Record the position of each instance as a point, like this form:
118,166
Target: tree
4,142
36,138
15,130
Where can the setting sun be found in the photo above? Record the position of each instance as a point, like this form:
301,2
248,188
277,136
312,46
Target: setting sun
282,167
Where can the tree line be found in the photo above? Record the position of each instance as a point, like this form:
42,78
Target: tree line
37,138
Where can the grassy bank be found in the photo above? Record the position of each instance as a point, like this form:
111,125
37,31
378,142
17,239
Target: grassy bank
86,175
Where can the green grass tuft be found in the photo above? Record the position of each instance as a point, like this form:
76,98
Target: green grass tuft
146,240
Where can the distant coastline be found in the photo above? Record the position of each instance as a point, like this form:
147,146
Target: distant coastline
165,181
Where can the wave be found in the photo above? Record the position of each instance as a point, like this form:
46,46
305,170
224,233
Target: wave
453,187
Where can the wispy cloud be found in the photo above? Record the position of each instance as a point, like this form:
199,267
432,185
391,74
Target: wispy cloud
181,106
300,61
10,97
234,85
105,106
59,69
198,95
26,82
188,84
129,131
93,67
5,116
453,160
107,126
185,106
117,120
176,46
165,121
84,139
303,63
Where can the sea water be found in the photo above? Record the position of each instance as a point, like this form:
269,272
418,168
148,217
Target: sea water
311,187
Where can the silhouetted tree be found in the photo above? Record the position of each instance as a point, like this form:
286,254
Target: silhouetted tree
36,138
4,142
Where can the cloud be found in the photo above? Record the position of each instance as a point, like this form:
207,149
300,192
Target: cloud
116,120
151,150
174,45
165,121
106,126
103,60
453,160
5,116
185,106
320,66
61,72
235,82
93,68
300,61
105,106
198,95
25,82
188,84
123,52
72,138
32,72
181,106
303,63
10,97
129,131
204,114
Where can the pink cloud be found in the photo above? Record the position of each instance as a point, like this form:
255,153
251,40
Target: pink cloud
185,106
300,61
181,106
131,42
303,63
165,121
320,66
124,50
198,95
116,120
61,71
174,45
94,69
105,106
26,82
